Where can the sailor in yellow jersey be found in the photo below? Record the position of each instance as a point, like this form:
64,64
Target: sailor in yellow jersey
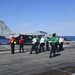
12,42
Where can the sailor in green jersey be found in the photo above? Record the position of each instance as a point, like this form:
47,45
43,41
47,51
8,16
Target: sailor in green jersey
53,45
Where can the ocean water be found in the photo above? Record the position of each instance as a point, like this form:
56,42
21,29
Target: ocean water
72,38
4,41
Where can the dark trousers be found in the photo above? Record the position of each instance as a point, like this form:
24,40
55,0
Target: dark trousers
37,46
12,48
47,46
53,48
41,47
33,48
57,49
21,48
61,46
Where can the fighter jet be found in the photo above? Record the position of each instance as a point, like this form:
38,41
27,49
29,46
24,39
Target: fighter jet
6,33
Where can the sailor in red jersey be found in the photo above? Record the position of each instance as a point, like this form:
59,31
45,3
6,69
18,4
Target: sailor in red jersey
21,43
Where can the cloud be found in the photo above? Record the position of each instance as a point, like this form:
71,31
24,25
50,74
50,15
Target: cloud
65,28
22,27
61,28
72,9
28,27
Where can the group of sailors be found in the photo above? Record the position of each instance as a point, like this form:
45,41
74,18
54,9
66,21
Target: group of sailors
52,44
13,42
38,44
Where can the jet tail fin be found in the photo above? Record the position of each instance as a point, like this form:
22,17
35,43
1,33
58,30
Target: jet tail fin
4,30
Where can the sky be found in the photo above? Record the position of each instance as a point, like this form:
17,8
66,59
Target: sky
51,16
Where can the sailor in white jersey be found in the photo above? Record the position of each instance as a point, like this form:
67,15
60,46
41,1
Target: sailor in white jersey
61,40
33,45
42,43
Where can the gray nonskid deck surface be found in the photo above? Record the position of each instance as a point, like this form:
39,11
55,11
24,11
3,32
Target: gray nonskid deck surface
7,48
32,64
